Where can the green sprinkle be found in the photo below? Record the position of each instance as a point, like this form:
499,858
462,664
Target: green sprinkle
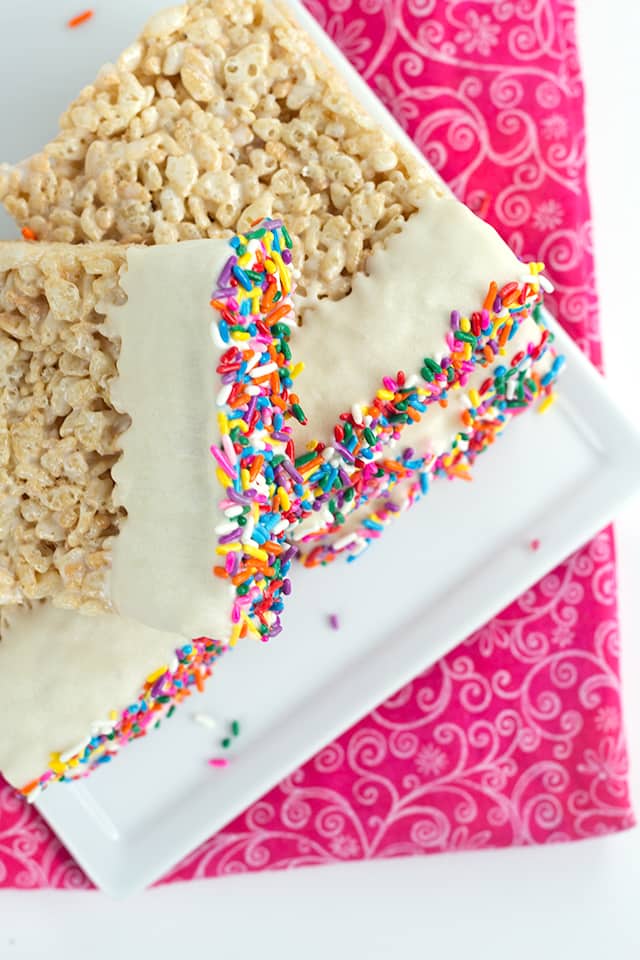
163,699
241,250
298,413
339,517
256,234
305,458
426,375
466,337
287,238
277,460
277,296
370,436
242,590
171,710
349,494
226,743
432,365
241,521
235,728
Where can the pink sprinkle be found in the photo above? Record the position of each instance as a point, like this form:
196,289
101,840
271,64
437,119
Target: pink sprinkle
535,545
334,623
218,762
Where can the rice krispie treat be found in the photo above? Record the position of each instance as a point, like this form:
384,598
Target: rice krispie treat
220,114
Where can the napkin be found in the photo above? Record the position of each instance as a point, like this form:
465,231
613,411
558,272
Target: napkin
516,737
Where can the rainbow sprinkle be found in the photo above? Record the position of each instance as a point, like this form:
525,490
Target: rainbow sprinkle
162,691
254,462
354,470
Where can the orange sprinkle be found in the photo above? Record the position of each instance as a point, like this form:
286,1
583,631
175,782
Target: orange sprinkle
256,467
281,311
267,298
504,334
275,382
272,547
220,572
312,464
491,295
243,630
28,233
199,680
29,787
239,401
443,403
488,352
466,418
241,577
80,19
279,402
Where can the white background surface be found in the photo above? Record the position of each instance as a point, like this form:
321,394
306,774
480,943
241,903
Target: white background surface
579,900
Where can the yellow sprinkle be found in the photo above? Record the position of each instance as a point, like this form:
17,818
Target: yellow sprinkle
113,715
255,301
267,240
466,353
55,764
242,426
474,396
252,627
240,335
245,479
547,402
223,479
156,675
297,370
256,552
255,512
385,394
465,324
235,634
223,422
226,548
283,272
283,497
245,259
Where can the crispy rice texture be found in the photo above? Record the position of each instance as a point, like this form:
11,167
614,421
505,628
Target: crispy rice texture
59,433
219,114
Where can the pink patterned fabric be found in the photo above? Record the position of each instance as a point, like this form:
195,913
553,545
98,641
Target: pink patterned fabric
516,737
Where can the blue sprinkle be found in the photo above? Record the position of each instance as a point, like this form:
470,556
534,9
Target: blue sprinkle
223,328
241,277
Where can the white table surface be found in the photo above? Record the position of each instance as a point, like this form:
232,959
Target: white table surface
572,901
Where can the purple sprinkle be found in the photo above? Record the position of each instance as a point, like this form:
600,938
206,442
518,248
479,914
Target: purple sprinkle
280,476
222,293
231,536
288,556
286,255
497,304
293,473
238,498
286,587
455,320
223,279
272,224
408,454
228,377
156,689
346,454
251,409
280,435
344,476
334,623
275,629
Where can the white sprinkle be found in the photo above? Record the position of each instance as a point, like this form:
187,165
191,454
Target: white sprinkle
102,727
247,533
251,363
233,511
215,336
328,452
35,793
252,390
545,283
356,413
368,420
205,720
223,528
224,394
73,751
280,527
511,388
264,370
229,449
173,666
345,542
412,380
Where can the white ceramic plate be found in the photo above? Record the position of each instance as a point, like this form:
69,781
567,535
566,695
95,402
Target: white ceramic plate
130,822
